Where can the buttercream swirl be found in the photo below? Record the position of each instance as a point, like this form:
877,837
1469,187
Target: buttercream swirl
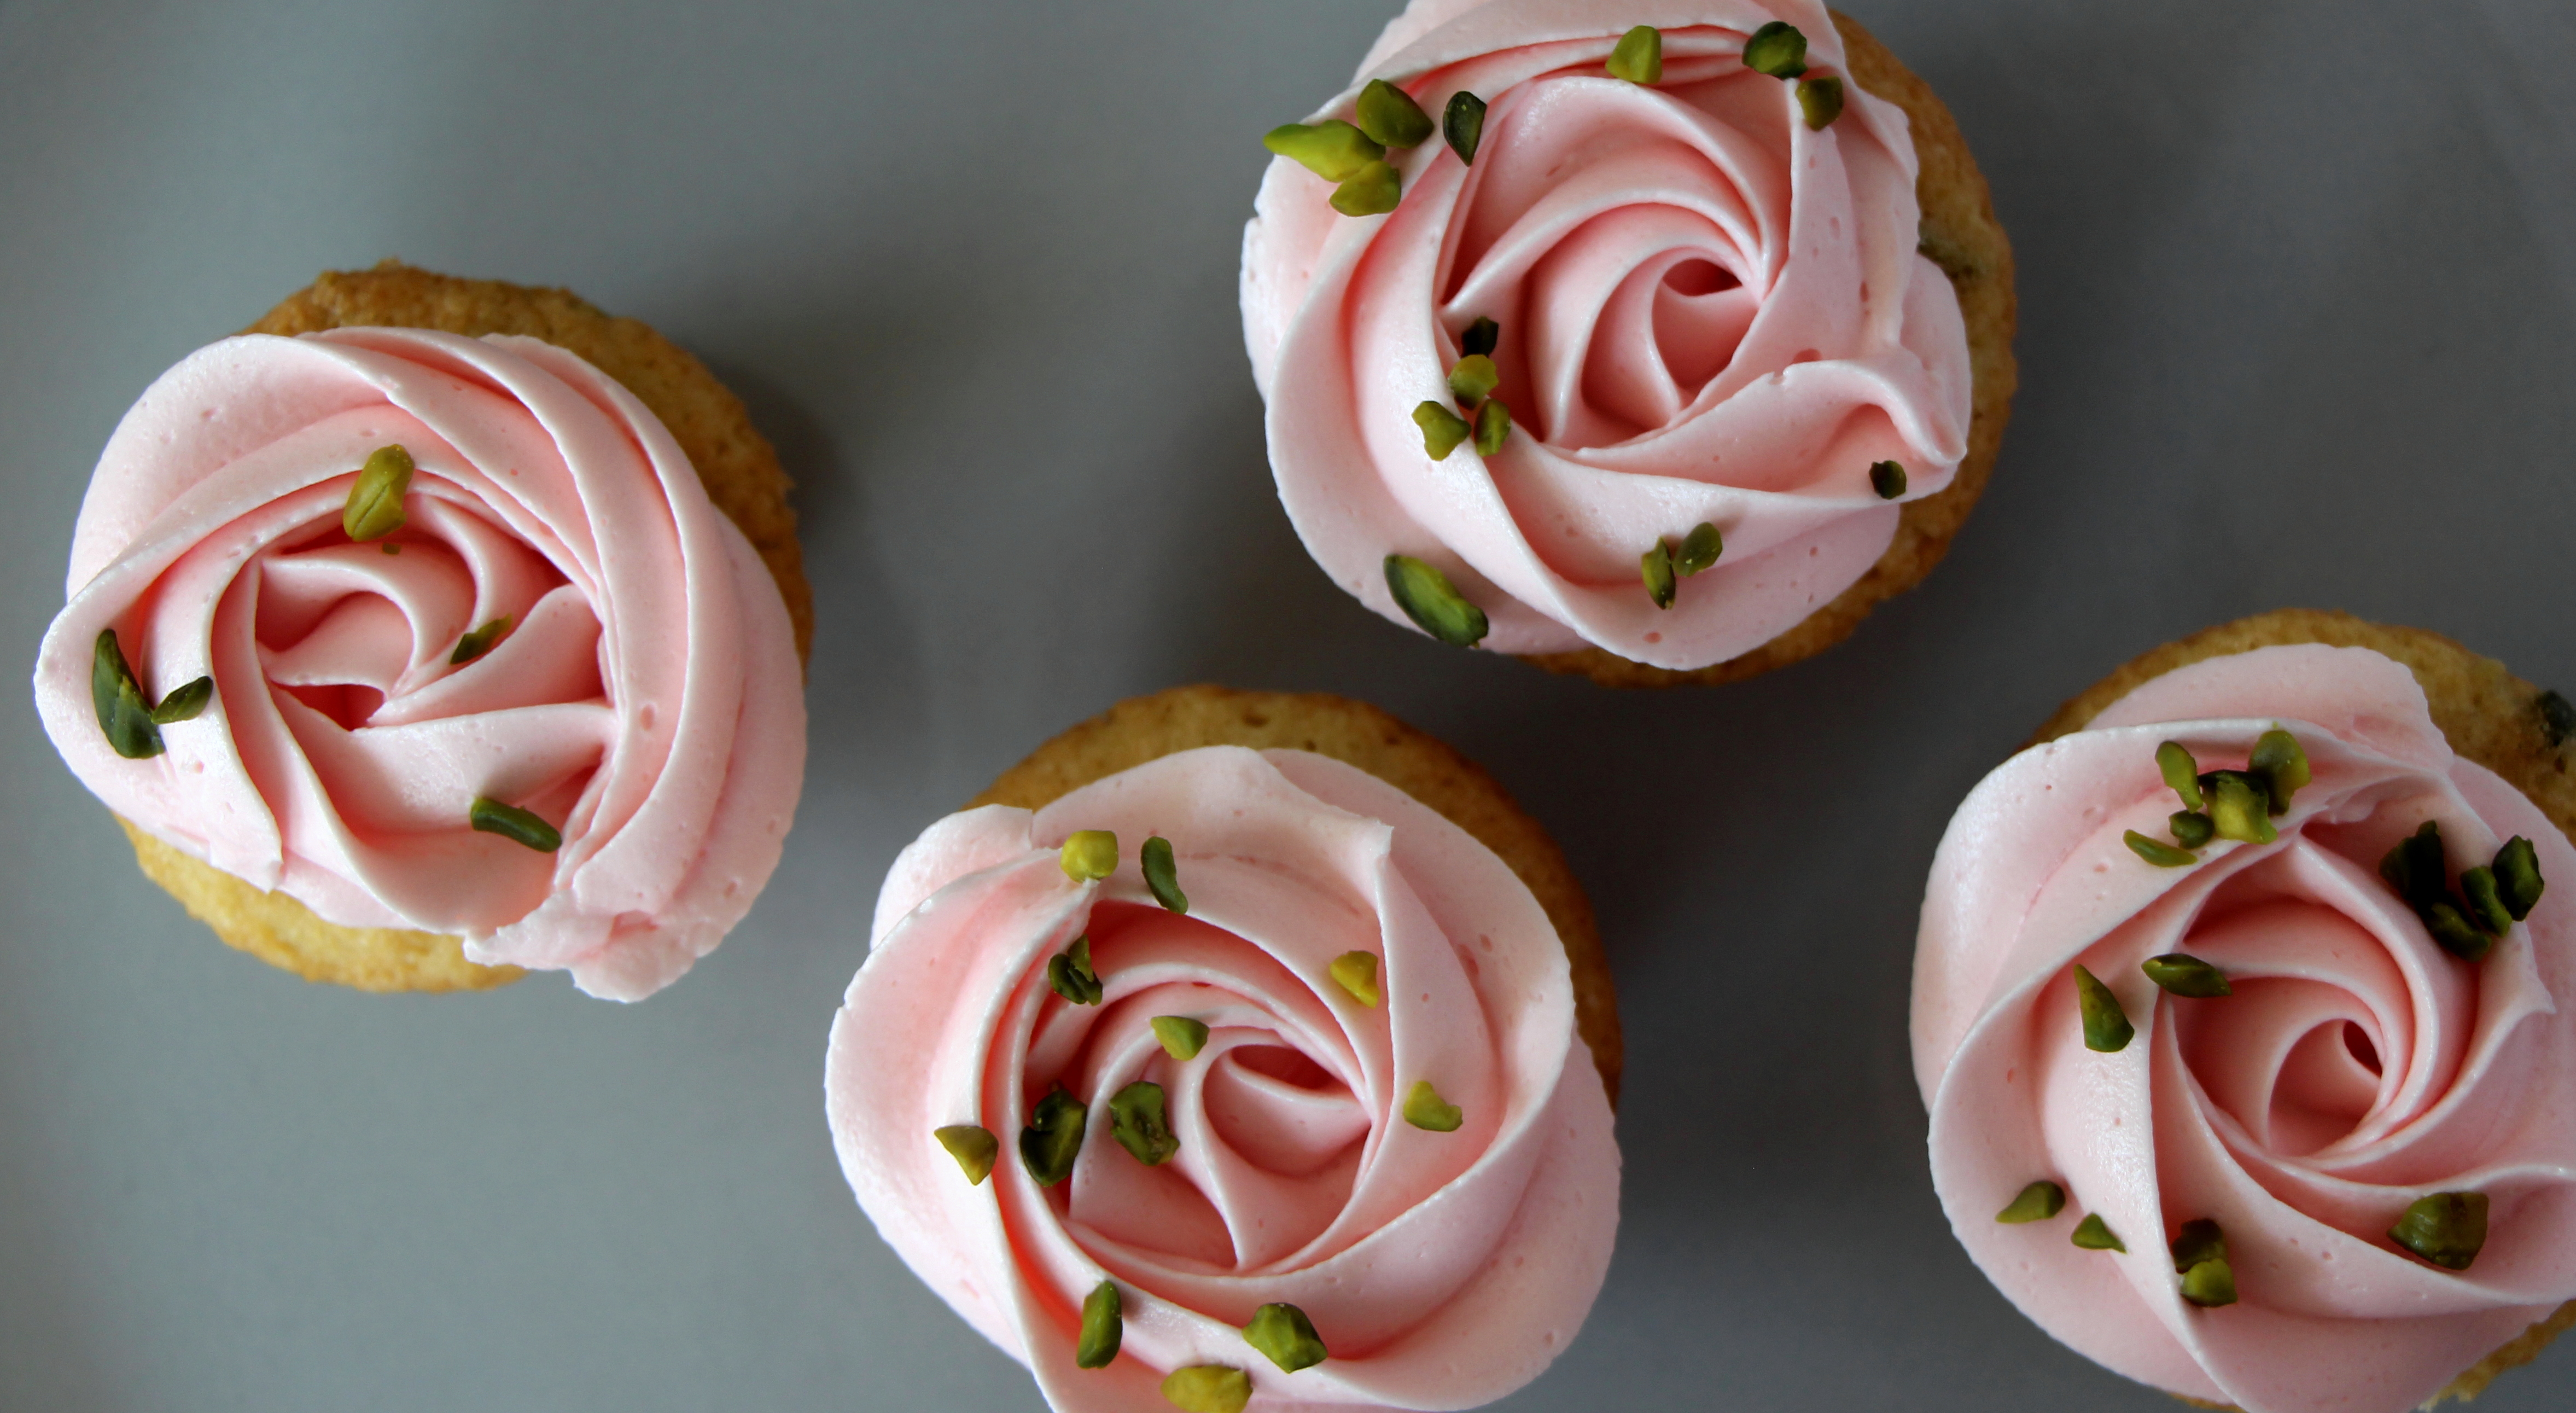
1709,313
2356,1068
644,697
1441,1269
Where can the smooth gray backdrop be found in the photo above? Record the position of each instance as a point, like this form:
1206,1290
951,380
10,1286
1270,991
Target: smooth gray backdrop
2298,289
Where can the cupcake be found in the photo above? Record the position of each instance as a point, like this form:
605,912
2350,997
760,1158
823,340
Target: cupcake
438,629
1240,1044
2246,1017
1656,344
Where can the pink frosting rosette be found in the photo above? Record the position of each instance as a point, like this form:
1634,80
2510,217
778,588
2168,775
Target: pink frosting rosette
640,694
2356,1082
1709,312
1440,1269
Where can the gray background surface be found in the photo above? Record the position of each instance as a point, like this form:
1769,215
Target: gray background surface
2298,327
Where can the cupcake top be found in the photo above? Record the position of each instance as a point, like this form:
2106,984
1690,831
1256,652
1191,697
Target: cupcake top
1273,1055
478,655
2248,1029
1689,282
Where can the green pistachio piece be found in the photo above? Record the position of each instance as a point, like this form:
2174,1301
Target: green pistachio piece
2415,867
1356,973
973,1146
1053,1138
2446,1228
375,507
1104,1324
2486,902
1089,854
389,546
1331,149
1390,117
1820,101
1638,57
478,642
1887,478
1655,566
1700,549
2557,718
2198,1241
2182,773
1285,1334
1433,603
123,716
2156,852
2281,765
1138,1122
2093,1234
1482,337
2191,828
1069,974
1182,1037
1442,430
1424,1108
1474,379
1373,190
185,702
2241,808
2036,1203
1208,1388
1493,423
2182,974
2517,872
1778,49
1161,876
2210,1284
1463,125
2106,1026
2458,936
490,816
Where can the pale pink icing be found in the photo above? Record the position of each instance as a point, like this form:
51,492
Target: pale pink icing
2356,1068
1709,313
1442,1270
648,700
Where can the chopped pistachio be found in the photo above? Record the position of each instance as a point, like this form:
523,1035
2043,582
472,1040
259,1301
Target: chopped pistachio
1493,423
2182,974
973,1146
1069,974
478,642
1820,101
1442,430
1373,190
1474,379
1356,973
1331,149
389,546
2035,1203
1089,854
2557,718
1778,49
2416,867
2517,872
490,816
185,702
1638,57
1104,1324
1285,1334
1482,337
2106,1026
1390,117
1161,876
2210,1284
2182,773
1700,550
2094,1234
1887,478
1053,1138
1138,1121
2459,937
2446,1228
1182,1037
1424,1108
2198,1241
2191,828
2156,852
2486,904
1433,603
375,506
2281,765
1208,1388
1655,566
2241,808
123,716
1463,125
